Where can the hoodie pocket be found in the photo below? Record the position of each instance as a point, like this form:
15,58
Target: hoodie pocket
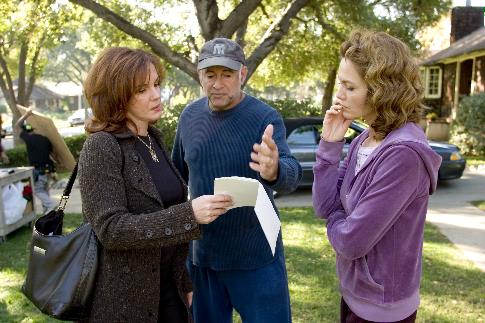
357,280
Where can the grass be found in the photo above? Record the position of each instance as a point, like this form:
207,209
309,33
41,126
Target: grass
479,204
452,288
475,160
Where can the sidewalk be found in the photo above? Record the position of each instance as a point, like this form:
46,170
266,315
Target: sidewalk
449,209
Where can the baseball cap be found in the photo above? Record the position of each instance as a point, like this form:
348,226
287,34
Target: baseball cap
221,52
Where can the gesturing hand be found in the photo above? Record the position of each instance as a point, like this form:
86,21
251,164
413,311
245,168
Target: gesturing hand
29,112
207,208
265,156
335,125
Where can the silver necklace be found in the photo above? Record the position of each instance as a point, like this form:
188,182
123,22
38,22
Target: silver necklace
150,148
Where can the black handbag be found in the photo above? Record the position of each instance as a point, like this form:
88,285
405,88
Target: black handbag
62,268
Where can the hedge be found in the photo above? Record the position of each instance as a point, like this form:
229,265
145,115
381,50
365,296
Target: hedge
468,131
18,155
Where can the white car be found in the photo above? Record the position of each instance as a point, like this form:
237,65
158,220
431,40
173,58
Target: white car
78,117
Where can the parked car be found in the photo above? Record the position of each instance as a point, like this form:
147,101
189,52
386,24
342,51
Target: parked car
303,136
78,117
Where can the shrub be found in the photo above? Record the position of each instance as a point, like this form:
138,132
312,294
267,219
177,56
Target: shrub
468,131
168,124
295,108
75,144
17,156
432,116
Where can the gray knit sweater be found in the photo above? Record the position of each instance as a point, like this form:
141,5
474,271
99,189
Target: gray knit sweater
137,234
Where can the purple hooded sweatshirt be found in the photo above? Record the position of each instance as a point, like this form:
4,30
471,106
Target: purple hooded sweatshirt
375,219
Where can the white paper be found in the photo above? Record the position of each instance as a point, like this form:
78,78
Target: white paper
243,191
250,192
270,223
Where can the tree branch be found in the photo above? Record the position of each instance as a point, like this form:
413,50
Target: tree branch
33,71
159,48
238,17
274,34
263,9
241,34
24,48
208,17
318,14
10,94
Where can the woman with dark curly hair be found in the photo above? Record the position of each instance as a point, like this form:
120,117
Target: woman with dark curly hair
375,202
133,196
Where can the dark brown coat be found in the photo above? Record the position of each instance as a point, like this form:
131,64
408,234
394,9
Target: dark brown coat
136,233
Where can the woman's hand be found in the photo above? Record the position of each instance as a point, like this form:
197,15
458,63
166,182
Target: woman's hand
207,208
334,124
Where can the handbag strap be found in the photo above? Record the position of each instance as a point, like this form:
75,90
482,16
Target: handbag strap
72,178
67,190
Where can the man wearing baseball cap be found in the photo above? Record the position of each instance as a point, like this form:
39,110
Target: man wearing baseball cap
230,133
39,150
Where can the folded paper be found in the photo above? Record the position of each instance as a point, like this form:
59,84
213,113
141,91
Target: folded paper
250,192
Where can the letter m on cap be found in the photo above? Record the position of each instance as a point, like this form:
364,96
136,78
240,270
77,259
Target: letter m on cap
219,49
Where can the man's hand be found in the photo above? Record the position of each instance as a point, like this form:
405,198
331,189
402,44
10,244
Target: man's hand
28,113
20,121
265,156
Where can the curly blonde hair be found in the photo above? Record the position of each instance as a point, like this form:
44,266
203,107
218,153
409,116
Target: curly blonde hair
112,81
392,76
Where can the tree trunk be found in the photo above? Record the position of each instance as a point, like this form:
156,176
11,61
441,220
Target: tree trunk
328,90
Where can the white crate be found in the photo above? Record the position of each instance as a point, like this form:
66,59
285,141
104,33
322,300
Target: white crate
18,174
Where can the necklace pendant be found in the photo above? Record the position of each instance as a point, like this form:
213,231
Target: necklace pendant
154,155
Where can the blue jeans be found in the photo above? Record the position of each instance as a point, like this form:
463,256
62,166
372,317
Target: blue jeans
41,190
259,296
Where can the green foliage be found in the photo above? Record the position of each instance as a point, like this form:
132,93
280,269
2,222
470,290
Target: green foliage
168,124
432,116
295,108
75,144
18,155
311,48
468,131
479,204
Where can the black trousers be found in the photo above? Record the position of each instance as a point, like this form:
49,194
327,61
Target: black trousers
171,309
347,316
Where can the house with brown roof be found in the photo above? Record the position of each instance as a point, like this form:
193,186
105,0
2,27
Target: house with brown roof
458,70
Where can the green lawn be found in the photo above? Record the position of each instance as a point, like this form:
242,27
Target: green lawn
452,288
479,204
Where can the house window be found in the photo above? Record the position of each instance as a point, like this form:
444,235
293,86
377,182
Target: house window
432,82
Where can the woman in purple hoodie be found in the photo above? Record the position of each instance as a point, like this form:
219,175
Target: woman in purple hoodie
375,202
